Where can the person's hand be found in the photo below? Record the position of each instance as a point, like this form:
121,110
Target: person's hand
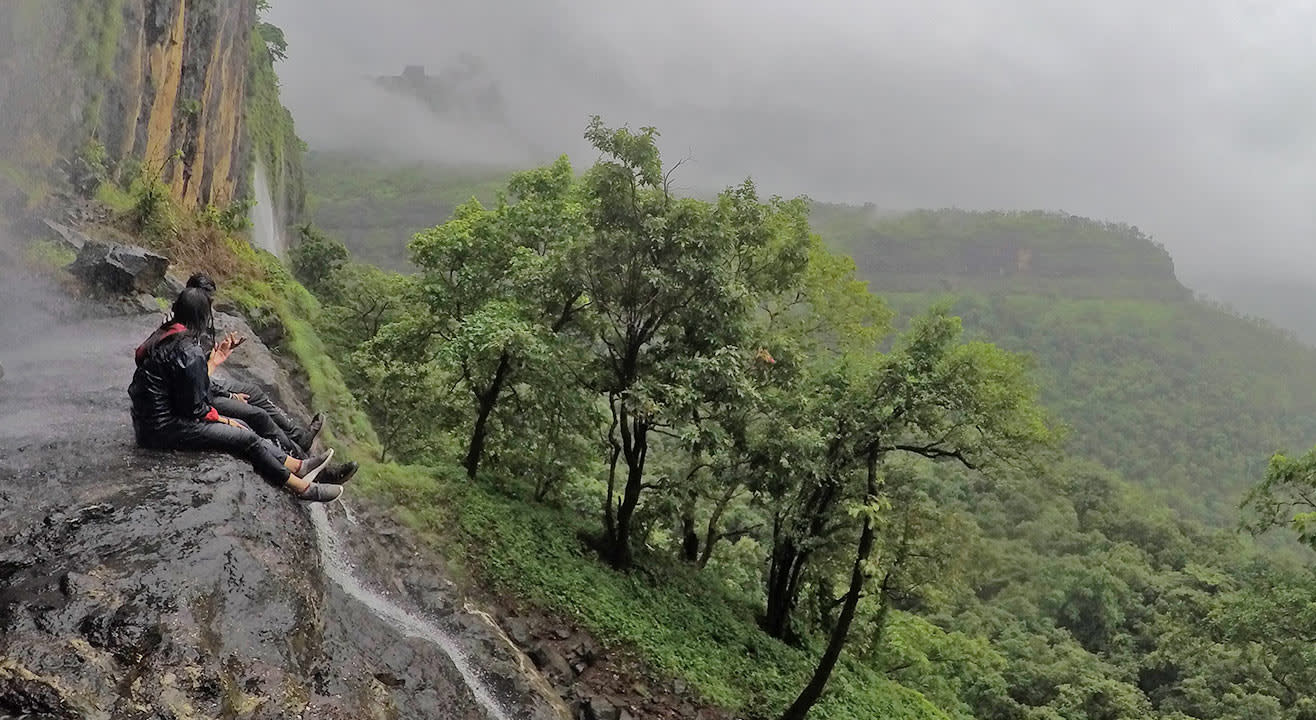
224,348
242,396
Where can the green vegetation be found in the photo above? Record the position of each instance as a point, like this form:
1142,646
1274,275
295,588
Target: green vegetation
48,257
686,426
1180,396
375,207
1041,253
95,30
270,125
32,186
1048,587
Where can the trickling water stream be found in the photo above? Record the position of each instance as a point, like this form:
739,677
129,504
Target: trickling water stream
266,230
339,569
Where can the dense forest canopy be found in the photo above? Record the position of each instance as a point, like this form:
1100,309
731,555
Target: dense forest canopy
1181,396
866,496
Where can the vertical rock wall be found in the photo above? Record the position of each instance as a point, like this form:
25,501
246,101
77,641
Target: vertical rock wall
162,81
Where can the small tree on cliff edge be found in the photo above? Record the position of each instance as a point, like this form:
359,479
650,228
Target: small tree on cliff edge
672,284
936,398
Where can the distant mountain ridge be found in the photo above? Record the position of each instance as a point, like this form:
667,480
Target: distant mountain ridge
1181,395
990,251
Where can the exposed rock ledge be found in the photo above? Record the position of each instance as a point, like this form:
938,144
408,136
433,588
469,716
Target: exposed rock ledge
137,584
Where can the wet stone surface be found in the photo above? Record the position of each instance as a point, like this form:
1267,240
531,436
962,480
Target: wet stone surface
141,584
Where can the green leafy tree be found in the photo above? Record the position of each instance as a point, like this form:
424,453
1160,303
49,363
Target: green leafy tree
398,382
936,398
503,289
316,257
672,284
359,300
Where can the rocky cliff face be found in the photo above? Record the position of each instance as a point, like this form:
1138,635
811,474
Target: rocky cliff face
150,79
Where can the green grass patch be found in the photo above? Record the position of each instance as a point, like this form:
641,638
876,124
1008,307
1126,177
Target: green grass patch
273,288
115,198
48,257
32,186
683,623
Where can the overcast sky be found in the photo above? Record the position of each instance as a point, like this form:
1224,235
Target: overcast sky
1193,119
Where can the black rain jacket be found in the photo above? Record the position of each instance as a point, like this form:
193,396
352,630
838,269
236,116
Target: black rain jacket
171,385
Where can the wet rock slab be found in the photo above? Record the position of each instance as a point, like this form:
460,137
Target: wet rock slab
139,584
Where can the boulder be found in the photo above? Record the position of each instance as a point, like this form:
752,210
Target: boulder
111,269
253,362
268,326
145,304
169,288
600,708
519,630
551,662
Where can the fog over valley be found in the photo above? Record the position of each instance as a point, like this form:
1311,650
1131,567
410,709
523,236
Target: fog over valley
1194,121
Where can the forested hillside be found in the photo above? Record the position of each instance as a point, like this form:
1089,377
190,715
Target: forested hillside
375,208
1181,396
773,458
1021,579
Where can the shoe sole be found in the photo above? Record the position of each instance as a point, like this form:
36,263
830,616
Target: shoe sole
329,500
310,477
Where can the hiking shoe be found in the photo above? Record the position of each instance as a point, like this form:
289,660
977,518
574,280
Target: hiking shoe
313,429
314,465
321,493
339,474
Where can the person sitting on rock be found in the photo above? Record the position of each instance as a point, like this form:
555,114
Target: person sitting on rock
235,405
171,406
249,403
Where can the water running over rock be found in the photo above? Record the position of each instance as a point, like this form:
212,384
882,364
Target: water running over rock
338,568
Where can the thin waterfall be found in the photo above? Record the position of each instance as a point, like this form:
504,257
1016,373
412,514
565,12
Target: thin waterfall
267,232
336,566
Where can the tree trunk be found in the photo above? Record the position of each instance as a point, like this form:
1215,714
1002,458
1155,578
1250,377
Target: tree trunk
808,523
689,538
609,522
635,438
621,547
713,534
485,402
814,690
783,588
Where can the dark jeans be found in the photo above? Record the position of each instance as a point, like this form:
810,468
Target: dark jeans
258,420
257,397
265,457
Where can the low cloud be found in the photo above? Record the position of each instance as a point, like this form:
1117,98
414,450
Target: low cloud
1194,120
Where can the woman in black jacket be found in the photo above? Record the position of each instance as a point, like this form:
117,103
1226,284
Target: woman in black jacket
171,406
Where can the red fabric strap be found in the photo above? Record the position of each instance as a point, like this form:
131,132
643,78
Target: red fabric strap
174,329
